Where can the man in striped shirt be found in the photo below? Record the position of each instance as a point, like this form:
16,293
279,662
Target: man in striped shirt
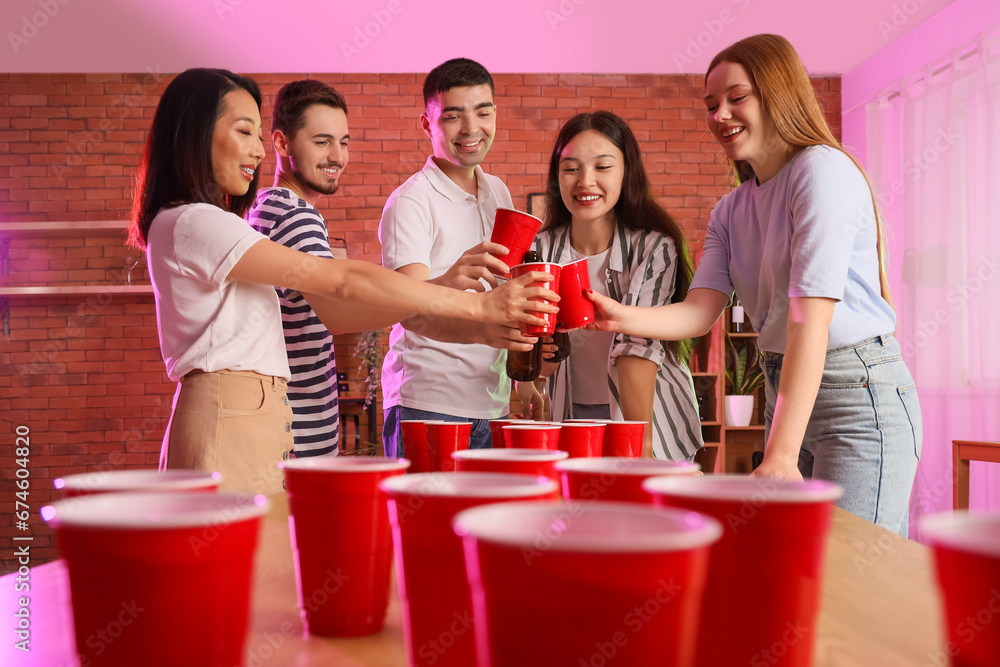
310,135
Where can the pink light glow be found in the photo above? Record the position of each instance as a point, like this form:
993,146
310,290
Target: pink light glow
634,36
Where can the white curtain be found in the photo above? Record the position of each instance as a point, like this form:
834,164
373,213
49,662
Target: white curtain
934,158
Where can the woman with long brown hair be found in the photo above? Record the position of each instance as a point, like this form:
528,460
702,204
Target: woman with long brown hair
599,206
799,241
214,276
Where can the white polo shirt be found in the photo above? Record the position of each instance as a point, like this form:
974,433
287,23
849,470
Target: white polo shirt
430,220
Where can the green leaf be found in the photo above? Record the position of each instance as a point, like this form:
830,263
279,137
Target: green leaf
742,380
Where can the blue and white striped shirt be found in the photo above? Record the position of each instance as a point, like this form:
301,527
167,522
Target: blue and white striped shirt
285,218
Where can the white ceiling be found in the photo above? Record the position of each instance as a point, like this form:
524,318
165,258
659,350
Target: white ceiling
414,35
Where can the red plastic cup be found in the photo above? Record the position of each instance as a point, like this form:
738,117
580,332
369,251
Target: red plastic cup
515,231
340,536
443,438
575,309
537,462
532,436
766,572
574,585
151,481
430,568
581,440
616,478
496,430
549,327
623,438
967,559
166,575
415,444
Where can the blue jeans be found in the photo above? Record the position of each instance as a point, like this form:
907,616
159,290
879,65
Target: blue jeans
392,434
865,431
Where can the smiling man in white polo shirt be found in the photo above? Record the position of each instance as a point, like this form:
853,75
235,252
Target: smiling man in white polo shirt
436,227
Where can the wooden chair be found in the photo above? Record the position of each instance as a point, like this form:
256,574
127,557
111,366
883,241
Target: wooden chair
964,451
353,407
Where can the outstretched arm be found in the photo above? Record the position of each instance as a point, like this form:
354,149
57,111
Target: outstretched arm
354,282
690,318
341,318
503,335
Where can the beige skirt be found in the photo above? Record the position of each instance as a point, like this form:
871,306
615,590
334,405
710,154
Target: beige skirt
238,423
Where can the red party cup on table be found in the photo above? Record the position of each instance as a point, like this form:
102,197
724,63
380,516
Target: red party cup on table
585,584
515,231
538,462
766,573
152,481
581,439
575,309
624,438
967,559
443,438
170,571
496,430
430,568
340,535
549,327
415,444
531,436
616,478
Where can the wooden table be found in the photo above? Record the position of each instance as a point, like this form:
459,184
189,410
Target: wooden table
964,451
880,607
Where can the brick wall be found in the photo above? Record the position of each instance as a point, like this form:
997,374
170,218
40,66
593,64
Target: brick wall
84,375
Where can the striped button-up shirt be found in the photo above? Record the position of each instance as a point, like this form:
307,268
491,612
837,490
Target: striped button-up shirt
642,270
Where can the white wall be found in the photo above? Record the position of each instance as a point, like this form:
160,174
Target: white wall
951,28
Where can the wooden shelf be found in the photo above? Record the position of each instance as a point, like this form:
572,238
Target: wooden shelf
55,228
73,290
26,229
729,448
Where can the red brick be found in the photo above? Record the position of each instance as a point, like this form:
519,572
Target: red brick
113,400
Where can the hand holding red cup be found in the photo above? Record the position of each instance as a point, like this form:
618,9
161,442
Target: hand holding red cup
528,299
549,326
575,309
515,231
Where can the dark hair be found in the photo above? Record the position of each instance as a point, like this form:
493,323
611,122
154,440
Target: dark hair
636,207
788,100
176,165
456,72
294,98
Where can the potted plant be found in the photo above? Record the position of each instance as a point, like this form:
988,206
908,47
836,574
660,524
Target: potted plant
743,382
369,354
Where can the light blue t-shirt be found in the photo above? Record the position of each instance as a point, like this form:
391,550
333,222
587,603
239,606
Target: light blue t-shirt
808,232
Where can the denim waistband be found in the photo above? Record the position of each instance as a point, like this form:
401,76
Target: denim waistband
883,339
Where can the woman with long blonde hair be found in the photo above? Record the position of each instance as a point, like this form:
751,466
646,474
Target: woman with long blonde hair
799,241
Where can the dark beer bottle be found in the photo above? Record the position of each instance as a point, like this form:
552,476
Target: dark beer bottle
561,340
526,366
